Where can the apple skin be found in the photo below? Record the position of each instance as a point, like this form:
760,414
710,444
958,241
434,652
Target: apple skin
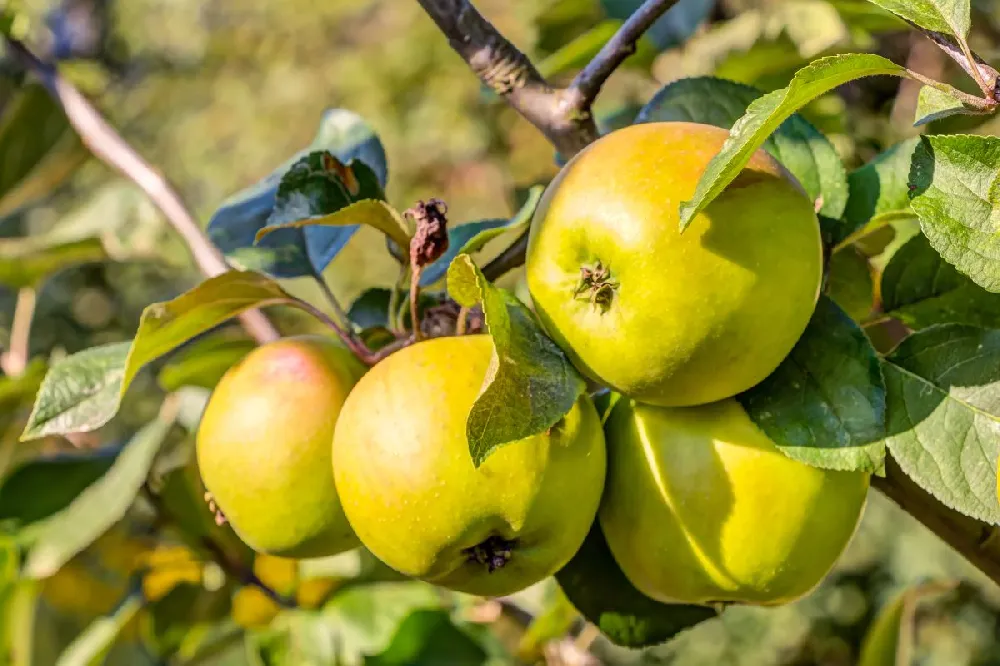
263,446
683,318
701,507
412,494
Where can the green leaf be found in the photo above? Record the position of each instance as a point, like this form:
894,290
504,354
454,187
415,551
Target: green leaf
799,146
879,192
825,404
370,212
765,115
428,636
80,392
370,310
65,157
943,412
43,486
934,104
31,125
91,646
890,639
921,289
955,194
553,622
204,362
596,586
530,384
26,263
83,391
952,17
472,237
55,540
849,283
366,618
305,252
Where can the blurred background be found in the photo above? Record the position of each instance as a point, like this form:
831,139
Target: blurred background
218,93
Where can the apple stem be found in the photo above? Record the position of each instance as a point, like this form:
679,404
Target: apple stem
495,552
596,285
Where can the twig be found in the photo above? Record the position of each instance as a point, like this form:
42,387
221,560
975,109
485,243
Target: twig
985,76
971,538
584,89
244,574
563,116
102,139
15,359
510,74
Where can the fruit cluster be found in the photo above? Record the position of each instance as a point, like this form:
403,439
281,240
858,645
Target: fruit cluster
696,503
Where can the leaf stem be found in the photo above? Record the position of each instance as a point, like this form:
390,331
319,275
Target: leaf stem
15,359
331,298
415,302
392,316
349,337
109,146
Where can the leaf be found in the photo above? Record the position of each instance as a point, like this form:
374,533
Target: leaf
530,383
43,486
83,391
376,214
933,104
80,392
472,237
955,195
65,157
951,17
799,146
295,253
765,115
825,405
849,283
943,413
555,620
366,618
204,362
24,263
921,289
890,639
428,636
879,191
31,124
91,646
370,310
596,586
58,538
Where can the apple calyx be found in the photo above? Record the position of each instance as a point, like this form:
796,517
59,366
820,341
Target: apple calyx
596,285
494,552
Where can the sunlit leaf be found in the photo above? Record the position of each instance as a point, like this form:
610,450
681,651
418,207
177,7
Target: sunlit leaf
530,384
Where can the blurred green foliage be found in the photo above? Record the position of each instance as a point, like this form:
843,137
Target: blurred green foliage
218,93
